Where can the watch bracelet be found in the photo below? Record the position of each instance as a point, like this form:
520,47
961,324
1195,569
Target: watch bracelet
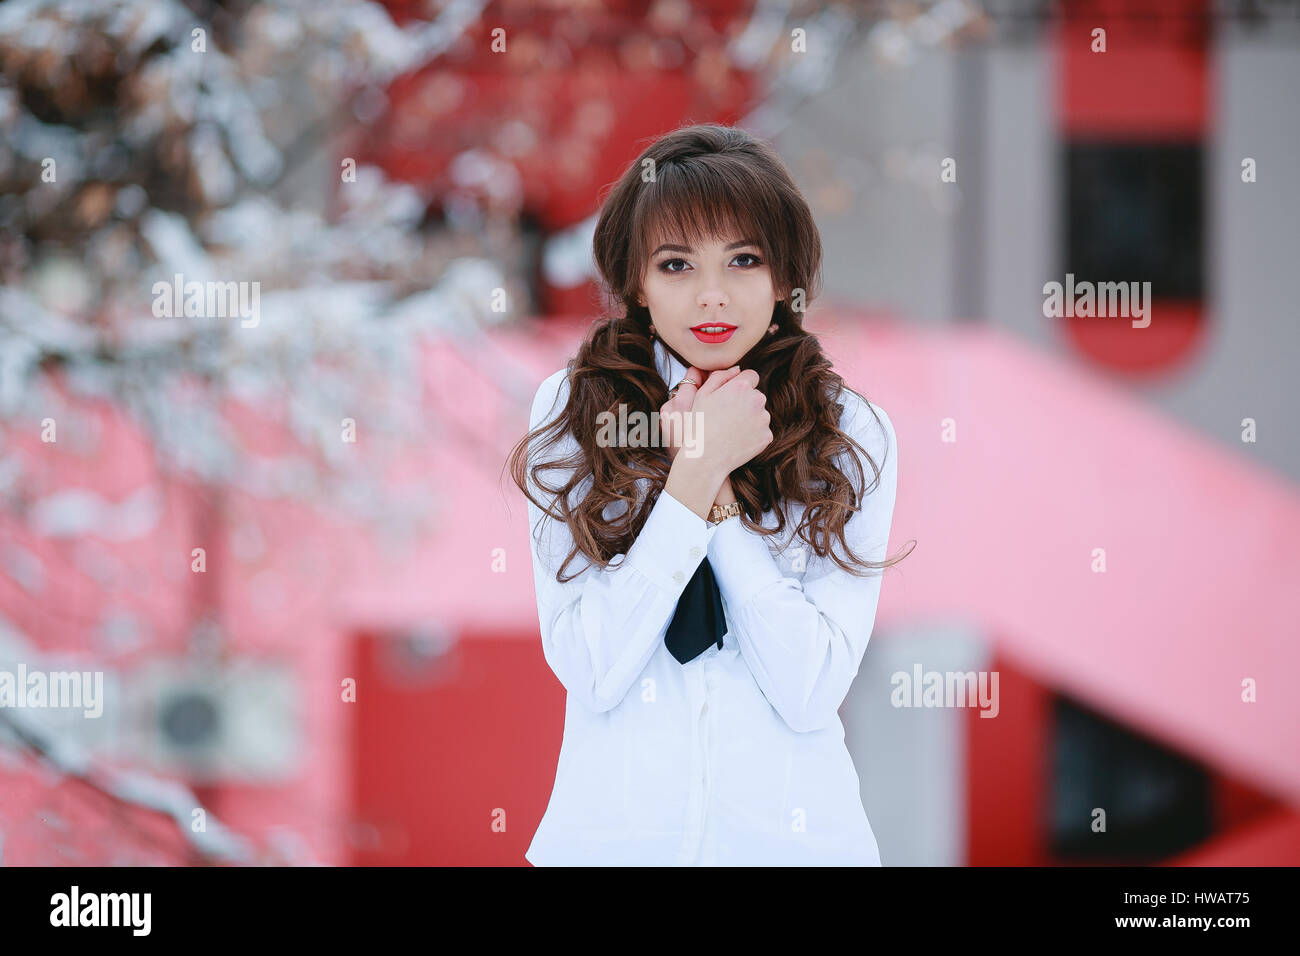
720,513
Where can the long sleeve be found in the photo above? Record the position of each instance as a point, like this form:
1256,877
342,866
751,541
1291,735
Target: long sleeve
804,641
600,629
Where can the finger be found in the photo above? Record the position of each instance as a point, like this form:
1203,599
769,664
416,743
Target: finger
718,379
689,387
682,401
693,374
746,379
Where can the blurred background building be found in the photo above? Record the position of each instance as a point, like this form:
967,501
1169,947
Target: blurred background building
285,538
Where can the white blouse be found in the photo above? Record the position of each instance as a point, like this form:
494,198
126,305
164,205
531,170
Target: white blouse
736,757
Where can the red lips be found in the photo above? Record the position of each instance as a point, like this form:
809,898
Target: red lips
713,338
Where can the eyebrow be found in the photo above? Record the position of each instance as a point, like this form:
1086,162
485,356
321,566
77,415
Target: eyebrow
670,247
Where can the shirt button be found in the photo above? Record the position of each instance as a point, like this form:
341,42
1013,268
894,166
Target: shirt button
695,551
679,577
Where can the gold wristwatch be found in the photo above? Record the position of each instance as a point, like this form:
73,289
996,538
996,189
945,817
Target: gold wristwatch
720,513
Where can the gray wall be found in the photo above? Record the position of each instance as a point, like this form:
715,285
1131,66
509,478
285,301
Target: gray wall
880,132
983,249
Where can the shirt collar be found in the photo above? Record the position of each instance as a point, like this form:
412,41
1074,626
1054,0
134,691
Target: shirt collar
670,370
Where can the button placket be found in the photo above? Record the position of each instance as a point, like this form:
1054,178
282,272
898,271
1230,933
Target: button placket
704,745
695,810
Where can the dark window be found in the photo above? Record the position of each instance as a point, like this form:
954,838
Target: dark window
1157,802
1135,212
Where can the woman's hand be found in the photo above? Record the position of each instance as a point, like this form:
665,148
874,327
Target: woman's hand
731,421
698,478
673,414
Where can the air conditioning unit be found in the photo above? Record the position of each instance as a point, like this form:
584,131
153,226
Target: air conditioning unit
232,721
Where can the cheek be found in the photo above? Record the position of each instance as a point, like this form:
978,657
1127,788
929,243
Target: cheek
652,287
760,291
663,293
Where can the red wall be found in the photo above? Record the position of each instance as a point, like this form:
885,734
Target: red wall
440,751
1152,83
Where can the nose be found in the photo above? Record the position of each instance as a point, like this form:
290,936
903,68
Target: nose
712,299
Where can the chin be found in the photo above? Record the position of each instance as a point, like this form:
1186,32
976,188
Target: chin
714,361
713,358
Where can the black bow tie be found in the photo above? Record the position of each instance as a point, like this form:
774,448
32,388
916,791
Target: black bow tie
698,620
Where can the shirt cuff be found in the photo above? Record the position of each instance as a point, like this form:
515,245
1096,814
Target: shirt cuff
741,562
672,543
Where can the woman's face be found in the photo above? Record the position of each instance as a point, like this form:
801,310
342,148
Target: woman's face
723,284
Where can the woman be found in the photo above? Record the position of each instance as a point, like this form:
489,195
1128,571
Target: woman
678,750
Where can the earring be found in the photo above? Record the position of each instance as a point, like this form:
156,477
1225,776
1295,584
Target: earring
652,331
771,329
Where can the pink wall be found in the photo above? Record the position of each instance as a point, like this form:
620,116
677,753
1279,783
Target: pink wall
1050,462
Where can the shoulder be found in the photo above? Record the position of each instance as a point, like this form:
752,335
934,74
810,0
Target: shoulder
876,457
550,397
869,425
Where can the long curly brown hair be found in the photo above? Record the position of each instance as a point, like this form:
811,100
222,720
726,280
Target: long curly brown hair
704,180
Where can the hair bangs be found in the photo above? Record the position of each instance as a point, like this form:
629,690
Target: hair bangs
691,204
